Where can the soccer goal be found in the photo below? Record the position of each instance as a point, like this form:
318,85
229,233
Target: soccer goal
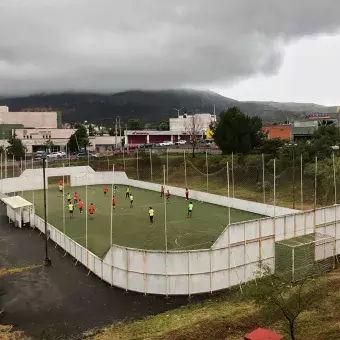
304,256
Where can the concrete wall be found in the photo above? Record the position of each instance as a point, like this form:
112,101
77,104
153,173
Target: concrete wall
192,272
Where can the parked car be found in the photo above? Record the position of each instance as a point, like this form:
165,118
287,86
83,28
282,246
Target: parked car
181,142
53,155
85,155
166,143
146,146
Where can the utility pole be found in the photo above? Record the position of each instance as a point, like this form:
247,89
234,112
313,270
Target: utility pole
178,111
116,132
120,132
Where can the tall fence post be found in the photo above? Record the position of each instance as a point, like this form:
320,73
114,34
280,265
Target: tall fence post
165,236
228,192
301,181
232,174
315,180
207,167
167,166
185,170
150,165
137,166
263,182
124,160
274,187
111,205
334,178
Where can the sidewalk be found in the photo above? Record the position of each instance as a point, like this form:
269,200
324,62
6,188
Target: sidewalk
62,300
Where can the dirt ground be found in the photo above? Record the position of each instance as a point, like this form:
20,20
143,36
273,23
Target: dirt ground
62,301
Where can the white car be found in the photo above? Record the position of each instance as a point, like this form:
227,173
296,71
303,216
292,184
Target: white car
166,143
54,155
181,142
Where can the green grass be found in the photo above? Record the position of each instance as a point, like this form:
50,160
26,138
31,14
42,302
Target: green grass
130,227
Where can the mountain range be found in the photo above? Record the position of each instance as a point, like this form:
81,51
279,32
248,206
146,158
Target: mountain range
154,106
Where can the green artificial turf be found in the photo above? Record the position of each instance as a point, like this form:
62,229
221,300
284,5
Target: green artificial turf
130,227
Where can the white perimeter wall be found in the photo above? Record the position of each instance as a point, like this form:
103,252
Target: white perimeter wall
232,260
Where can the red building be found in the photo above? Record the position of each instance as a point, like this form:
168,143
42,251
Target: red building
152,136
283,131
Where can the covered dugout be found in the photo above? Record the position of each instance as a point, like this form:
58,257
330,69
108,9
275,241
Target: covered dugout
19,211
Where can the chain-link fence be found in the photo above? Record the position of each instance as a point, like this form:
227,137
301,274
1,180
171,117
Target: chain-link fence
293,182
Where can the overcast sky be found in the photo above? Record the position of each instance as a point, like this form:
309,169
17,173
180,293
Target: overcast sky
250,50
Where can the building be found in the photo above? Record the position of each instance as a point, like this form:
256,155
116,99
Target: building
153,136
184,122
282,131
179,129
34,119
304,129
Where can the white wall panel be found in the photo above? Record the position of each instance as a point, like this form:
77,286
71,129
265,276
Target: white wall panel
137,261
199,262
267,227
97,266
220,280
178,285
90,261
236,233
250,271
157,284
119,256
290,227
119,278
319,216
219,259
252,251
79,254
309,216
330,214
178,263
199,283
300,224
237,254
156,263
252,230
137,282
268,248
330,230
107,273
236,276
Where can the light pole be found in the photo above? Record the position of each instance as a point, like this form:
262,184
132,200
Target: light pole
47,260
178,111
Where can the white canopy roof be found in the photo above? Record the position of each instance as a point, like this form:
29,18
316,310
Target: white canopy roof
16,202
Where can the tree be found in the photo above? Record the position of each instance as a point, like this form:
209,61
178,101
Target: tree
79,140
272,146
134,124
92,131
323,139
279,295
49,145
236,132
193,126
16,147
163,126
112,132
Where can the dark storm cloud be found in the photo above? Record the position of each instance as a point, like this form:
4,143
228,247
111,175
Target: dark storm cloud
111,45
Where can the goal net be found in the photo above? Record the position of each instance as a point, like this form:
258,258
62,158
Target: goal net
304,256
